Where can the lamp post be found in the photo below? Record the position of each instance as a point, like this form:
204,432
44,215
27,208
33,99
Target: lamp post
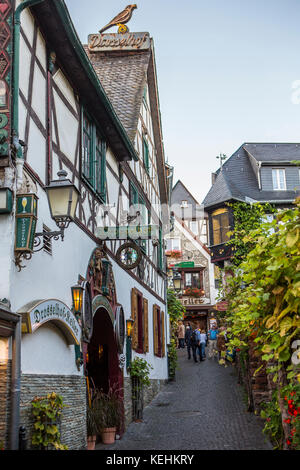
129,328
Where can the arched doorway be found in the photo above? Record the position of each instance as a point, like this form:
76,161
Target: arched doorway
102,354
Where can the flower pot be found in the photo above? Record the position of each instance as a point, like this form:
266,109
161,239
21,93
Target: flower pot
91,442
108,435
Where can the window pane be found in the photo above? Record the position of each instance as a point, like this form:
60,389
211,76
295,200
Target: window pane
281,179
188,279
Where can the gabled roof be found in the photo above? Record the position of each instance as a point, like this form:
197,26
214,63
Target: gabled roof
124,75
179,186
237,180
61,36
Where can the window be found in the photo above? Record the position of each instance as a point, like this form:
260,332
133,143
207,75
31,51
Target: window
137,203
139,313
158,331
194,227
278,177
93,157
184,204
173,244
220,226
193,279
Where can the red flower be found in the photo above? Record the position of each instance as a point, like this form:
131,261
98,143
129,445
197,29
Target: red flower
290,402
285,398
288,442
287,420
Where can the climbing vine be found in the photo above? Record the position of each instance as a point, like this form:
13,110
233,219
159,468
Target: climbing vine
176,311
263,297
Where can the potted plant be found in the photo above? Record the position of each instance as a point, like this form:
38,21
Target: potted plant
108,413
139,371
91,426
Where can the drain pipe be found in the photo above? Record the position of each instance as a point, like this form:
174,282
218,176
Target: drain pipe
15,84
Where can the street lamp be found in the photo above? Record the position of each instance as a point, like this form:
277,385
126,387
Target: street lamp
62,198
77,295
177,281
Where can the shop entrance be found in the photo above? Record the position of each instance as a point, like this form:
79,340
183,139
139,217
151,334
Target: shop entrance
102,355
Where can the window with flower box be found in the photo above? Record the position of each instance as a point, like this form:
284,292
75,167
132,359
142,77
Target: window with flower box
93,164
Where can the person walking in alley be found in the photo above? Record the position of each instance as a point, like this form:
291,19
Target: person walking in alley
187,338
181,334
212,341
203,339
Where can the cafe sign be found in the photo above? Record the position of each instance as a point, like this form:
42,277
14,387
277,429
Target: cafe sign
191,301
117,42
37,313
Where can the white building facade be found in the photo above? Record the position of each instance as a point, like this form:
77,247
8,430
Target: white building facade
67,123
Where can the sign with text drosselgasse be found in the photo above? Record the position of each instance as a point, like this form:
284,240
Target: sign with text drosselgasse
38,312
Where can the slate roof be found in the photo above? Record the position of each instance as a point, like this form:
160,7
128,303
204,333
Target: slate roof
273,152
123,78
238,181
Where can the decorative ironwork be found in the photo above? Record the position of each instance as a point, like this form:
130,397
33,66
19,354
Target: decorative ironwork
120,20
38,242
129,255
18,259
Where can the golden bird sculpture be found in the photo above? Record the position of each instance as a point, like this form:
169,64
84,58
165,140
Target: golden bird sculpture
121,19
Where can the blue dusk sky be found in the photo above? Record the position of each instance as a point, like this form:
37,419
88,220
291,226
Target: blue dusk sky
228,73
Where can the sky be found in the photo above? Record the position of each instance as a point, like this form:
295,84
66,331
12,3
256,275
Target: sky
228,73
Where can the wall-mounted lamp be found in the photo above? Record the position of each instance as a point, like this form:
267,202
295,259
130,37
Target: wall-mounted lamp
77,296
62,198
177,281
129,330
6,201
129,327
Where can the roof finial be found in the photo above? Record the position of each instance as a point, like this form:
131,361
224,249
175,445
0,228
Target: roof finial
222,157
120,20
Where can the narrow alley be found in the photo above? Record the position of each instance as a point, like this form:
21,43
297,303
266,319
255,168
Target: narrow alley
203,409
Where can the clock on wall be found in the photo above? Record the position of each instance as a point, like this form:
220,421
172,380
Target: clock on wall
129,255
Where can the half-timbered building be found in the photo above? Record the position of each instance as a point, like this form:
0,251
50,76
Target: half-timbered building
67,122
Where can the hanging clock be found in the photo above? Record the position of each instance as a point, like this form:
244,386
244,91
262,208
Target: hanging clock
129,255
87,317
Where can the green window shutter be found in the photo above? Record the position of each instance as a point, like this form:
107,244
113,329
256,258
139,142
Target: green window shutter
146,154
160,250
100,170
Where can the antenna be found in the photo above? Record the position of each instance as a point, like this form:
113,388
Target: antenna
222,157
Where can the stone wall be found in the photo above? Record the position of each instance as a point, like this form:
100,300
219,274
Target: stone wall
5,379
73,391
149,393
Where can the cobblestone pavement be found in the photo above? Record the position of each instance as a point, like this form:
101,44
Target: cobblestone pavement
203,409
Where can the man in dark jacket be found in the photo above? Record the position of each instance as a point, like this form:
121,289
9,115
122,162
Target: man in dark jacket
187,339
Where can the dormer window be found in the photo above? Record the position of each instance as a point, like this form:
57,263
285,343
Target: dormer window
278,178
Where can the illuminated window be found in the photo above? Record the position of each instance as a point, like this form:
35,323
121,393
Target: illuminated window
220,225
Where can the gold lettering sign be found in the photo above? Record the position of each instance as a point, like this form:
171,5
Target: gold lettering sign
114,42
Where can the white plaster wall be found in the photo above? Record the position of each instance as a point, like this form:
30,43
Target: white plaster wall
47,352
124,284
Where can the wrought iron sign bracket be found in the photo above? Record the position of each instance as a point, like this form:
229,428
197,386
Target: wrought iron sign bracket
38,239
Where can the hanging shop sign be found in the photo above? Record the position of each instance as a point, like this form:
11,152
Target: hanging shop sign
133,232
26,217
185,264
191,301
117,42
129,255
39,312
222,306
120,328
